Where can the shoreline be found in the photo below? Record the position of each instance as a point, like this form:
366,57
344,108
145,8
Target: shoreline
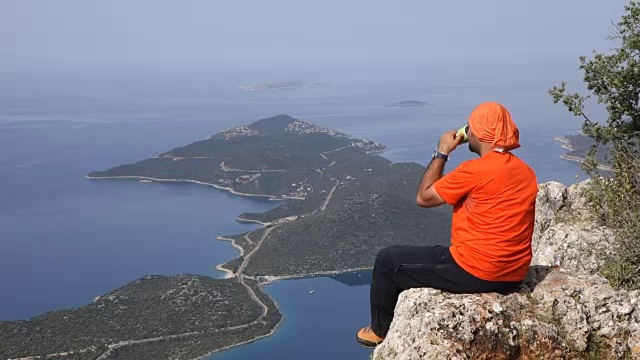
270,280
228,273
566,144
244,342
266,280
580,160
251,221
233,243
375,152
227,189
250,340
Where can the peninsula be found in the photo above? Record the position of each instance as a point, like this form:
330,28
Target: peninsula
341,204
579,145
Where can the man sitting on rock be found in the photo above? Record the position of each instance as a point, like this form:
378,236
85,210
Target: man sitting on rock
493,200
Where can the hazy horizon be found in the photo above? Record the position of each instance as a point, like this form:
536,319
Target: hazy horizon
118,36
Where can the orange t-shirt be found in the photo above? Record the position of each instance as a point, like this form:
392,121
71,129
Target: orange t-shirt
493,200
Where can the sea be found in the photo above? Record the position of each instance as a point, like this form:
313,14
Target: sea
66,239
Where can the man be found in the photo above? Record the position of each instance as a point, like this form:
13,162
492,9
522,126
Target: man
493,200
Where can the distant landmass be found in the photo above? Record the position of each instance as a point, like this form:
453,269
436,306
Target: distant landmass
579,146
409,103
283,85
341,204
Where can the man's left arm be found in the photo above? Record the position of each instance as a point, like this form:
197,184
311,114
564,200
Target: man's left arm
427,195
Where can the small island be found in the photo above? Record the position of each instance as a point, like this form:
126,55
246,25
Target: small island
341,203
409,103
283,85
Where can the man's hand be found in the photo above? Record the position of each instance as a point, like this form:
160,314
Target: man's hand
449,141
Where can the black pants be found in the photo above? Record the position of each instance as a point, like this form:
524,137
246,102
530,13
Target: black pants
399,267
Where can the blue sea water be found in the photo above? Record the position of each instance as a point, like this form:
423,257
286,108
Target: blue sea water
66,239
321,325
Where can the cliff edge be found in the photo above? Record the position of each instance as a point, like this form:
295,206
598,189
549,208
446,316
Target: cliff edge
563,309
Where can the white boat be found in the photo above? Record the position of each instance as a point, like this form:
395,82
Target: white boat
311,291
145,181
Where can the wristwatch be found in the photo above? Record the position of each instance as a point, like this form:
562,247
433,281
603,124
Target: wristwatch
438,155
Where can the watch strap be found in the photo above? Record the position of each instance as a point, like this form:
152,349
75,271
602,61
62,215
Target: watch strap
438,155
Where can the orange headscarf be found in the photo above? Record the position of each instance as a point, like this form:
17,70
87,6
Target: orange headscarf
492,123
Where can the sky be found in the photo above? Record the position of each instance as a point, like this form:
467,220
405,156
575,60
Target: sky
117,34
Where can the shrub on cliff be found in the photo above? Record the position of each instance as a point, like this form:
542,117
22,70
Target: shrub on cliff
614,79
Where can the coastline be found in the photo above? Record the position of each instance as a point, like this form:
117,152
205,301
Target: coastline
269,280
566,144
375,152
228,273
251,221
266,280
233,243
230,190
244,342
580,160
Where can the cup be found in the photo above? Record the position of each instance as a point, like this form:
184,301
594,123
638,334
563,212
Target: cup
463,131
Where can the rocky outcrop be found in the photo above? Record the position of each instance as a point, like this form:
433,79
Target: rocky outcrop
562,310
565,234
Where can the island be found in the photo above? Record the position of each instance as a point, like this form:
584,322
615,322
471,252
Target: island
283,85
409,103
340,204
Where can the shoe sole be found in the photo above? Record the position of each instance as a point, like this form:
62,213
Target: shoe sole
366,343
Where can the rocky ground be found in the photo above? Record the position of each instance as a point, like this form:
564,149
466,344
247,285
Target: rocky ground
563,310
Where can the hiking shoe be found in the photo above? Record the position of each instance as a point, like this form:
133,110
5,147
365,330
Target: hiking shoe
367,338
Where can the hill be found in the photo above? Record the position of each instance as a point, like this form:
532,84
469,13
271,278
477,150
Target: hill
155,317
277,157
347,203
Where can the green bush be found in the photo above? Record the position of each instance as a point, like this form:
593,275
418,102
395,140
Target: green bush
615,200
614,196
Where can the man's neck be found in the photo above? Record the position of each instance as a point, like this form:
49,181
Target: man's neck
485,149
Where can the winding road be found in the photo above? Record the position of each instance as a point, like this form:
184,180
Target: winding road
243,265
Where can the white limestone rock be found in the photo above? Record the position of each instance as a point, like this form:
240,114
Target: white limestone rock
565,234
554,314
562,310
